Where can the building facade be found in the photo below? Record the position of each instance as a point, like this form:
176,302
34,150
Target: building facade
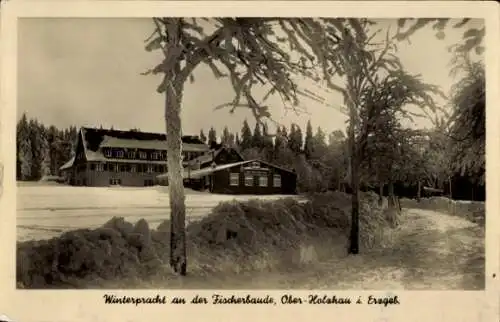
253,177
127,158
222,155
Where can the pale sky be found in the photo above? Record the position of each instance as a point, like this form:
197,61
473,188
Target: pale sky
86,72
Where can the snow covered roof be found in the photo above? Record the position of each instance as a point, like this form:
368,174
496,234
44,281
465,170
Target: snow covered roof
114,142
210,156
95,139
196,174
5,318
67,165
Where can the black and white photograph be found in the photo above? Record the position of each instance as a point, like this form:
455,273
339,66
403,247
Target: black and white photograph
255,153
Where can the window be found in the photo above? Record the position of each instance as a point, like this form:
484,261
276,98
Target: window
119,154
99,167
234,179
263,181
133,168
277,181
150,168
131,154
155,155
248,180
142,155
113,167
108,153
124,168
106,167
115,182
92,166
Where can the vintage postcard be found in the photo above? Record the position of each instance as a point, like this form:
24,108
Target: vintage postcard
299,159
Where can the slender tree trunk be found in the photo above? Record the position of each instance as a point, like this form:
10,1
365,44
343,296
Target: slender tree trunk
419,191
354,245
174,87
391,199
173,124
380,194
449,184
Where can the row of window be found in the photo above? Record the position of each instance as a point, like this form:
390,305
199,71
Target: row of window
249,180
147,183
133,154
157,155
141,168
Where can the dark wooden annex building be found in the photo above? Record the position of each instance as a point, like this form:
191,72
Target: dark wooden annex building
127,158
217,156
244,177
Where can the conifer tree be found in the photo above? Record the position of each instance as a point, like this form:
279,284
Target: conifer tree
246,136
237,142
308,141
203,138
226,139
24,149
212,136
257,141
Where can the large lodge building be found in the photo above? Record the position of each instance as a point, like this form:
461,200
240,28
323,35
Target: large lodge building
126,158
133,158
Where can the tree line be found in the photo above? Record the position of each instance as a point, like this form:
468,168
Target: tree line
318,158
41,150
416,160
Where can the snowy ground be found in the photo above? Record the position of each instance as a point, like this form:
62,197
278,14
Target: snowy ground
428,251
45,210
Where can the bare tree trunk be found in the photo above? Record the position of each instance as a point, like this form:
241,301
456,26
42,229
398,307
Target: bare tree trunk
380,194
449,184
174,86
178,260
354,238
391,199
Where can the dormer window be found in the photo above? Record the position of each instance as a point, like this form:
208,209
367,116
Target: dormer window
142,155
131,154
119,154
108,153
155,155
